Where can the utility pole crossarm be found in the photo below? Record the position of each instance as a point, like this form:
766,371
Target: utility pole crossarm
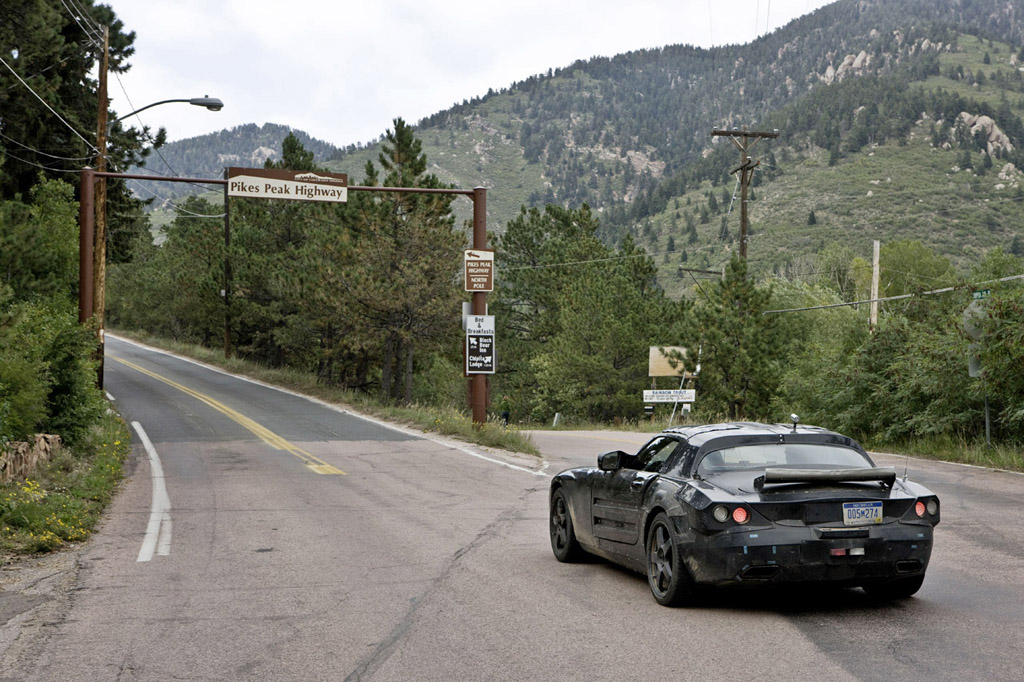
744,140
736,132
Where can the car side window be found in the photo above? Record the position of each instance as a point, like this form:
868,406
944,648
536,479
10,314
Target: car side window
653,455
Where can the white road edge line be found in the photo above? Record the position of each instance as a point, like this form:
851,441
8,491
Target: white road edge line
158,532
407,432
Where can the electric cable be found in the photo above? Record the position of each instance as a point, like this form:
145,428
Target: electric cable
52,110
42,153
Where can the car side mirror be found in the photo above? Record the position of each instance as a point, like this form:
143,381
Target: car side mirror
610,461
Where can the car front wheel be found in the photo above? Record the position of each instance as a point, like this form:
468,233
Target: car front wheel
670,582
563,539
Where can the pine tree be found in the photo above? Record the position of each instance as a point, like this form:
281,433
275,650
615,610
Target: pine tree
742,348
405,260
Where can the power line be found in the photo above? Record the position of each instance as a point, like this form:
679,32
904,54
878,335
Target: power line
945,290
172,204
39,73
59,117
128,99
37,165
83,16
42,153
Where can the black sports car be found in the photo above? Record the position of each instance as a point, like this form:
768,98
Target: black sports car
747,503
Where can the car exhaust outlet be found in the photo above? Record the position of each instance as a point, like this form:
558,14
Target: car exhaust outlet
759,573
908,566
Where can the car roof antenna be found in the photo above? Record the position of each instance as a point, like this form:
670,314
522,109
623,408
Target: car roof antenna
906,467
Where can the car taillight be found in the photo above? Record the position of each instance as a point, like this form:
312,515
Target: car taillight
920,509
933,507
721,513
740,515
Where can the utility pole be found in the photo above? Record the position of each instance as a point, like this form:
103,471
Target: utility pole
99,264
873,314
746,169
227,269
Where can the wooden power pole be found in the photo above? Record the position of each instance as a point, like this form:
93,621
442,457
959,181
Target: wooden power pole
99,265
744,140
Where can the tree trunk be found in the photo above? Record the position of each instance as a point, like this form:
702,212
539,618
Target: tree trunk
408,372
399,372
387,366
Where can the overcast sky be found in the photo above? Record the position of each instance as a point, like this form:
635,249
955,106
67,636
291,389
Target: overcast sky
342,71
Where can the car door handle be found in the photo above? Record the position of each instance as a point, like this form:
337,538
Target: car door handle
638,483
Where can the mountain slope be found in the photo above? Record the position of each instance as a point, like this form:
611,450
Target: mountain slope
867,95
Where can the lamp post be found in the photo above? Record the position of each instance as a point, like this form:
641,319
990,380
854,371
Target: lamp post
103,129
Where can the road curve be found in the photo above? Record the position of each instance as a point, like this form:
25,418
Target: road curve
307,543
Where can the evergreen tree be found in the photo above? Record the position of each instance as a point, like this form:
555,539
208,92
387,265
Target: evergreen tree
742,350
405,261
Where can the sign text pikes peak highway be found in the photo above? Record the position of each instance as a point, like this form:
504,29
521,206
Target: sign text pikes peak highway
272,183
479,269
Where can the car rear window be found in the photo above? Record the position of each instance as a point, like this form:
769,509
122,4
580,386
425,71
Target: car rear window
793,455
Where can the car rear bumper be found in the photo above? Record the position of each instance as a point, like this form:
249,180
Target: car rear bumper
840,555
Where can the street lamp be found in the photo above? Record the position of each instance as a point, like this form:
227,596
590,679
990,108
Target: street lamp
211,103
99,271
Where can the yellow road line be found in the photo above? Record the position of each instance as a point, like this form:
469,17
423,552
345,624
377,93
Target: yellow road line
266,435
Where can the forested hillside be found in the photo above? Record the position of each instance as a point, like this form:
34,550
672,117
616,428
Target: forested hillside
867,96
248,146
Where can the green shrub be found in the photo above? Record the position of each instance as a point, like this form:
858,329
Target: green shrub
47,373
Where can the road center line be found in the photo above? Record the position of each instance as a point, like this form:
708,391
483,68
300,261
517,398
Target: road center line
330,406
263,433
158,532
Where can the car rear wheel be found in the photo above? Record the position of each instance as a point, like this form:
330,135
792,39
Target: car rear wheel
670,582
898,588
563,539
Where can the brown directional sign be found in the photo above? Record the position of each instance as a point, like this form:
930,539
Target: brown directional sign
479,269
274,183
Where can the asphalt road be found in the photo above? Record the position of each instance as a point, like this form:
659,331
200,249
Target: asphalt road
297,541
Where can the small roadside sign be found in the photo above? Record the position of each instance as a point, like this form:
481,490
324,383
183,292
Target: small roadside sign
683,395
479,269
980,294
480,324
480,344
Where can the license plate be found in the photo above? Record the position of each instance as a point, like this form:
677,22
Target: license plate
862,513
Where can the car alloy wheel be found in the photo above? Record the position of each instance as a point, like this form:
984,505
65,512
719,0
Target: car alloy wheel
670,582
563,539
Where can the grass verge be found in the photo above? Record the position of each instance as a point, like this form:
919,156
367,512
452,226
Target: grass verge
63,500
948,449
446,421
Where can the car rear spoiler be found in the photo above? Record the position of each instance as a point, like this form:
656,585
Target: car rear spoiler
885,475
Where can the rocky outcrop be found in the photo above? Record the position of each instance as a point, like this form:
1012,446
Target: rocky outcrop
19,459
995,138
850,66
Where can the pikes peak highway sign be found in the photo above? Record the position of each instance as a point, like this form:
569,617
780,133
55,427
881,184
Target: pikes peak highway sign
272,183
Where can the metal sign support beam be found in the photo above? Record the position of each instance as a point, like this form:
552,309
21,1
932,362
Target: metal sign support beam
86,227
